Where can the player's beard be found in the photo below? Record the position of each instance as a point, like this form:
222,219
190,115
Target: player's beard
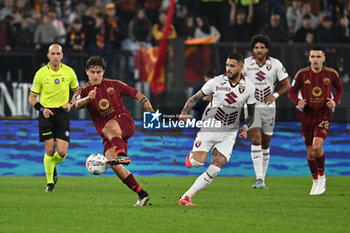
234,77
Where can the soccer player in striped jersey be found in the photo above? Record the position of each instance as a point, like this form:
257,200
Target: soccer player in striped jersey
265,72
230,91
113,122
311,93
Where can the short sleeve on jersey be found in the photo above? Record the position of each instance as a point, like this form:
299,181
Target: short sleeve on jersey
125,89
281,72
36,86
208,87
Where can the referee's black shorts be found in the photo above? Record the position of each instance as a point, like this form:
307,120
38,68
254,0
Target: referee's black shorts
56,126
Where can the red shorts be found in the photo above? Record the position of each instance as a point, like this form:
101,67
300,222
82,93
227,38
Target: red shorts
313,129
126,124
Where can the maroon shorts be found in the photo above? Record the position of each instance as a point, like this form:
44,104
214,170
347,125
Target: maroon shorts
126,124
313,129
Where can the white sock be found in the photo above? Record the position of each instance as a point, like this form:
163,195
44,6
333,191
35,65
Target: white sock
194,162
257,159
266,159
203,180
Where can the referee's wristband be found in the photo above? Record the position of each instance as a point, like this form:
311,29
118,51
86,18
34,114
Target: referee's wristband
39,107
276,95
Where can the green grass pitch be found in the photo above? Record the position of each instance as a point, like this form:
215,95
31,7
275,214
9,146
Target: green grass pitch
104,204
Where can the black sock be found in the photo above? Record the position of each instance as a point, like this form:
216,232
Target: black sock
142,193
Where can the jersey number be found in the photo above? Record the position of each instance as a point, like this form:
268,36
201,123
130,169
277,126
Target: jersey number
324,124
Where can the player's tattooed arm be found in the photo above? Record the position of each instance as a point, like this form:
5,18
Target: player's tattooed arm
189,104
144,102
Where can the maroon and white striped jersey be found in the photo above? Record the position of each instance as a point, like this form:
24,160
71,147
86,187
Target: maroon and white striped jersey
227,101
264,77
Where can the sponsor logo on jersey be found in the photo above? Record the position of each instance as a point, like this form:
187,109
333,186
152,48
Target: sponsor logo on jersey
110,90
284,69
222,83
307,81
241,88
260,76
316,91
57,81
326,81
231,98
223,88
323,131
253,68
103,104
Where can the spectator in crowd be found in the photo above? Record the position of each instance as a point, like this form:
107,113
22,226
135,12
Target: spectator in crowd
157,29
293,13
6,44
343,29
34,20
310,38
100,43
139,32
115,25
79,11
58,24
213,10
190,27
75,39
7,9
239,23
300,35
24,36
45,33
180,20
306,10
44,8
23,8
327,32
275,30
204,29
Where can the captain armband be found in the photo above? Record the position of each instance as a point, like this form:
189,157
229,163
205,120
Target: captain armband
39,107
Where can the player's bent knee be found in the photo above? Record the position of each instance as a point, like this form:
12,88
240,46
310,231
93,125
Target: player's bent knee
213,170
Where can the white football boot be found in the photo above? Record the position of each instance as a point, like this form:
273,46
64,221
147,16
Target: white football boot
314,188
321,185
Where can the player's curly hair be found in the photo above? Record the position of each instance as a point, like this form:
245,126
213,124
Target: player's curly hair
96,61
260,38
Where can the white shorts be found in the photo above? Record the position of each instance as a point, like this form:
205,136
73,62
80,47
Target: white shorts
222,142
264,118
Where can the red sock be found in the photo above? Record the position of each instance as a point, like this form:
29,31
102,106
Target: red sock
118,145
313,168
320,164
132,183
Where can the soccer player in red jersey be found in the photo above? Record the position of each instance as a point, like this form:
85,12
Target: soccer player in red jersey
315,110
113,122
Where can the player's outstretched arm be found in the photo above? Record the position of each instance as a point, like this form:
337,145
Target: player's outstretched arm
144,102
189,104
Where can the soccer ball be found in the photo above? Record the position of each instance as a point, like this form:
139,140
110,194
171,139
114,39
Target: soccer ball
96,164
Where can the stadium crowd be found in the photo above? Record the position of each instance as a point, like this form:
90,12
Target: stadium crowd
99,27
101,24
